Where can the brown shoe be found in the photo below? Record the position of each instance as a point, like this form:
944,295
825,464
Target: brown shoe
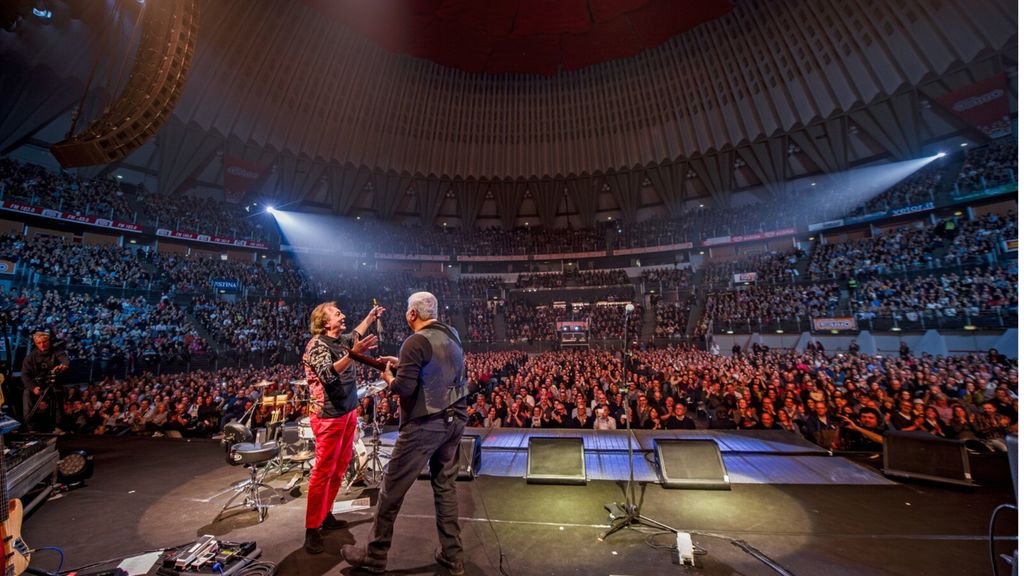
455,568
357,558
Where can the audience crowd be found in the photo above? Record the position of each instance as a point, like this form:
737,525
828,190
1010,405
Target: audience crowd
950,294
205,216
36,186
988,166
829,399
125,335
89,265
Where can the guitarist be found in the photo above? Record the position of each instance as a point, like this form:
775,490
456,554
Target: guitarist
39,374
331,376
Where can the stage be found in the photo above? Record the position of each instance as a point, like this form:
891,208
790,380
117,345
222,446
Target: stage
154,493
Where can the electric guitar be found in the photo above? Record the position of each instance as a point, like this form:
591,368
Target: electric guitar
15,558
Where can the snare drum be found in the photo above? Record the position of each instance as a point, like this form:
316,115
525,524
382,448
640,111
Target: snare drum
305,428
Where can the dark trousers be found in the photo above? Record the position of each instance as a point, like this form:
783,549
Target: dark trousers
434,439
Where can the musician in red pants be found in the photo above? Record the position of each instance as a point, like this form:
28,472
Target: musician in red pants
331,376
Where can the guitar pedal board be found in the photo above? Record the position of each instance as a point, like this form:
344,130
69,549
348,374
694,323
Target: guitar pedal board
207,556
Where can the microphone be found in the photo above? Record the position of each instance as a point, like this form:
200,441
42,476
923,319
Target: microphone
380,331
629,309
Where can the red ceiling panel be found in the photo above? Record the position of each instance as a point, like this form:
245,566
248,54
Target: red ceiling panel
520,36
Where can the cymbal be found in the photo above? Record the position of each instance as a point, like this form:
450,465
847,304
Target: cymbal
371,389
263,384
302,456
299,382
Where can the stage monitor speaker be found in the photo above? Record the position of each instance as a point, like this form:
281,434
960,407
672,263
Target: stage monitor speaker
694,464
555,460
921,455
469,459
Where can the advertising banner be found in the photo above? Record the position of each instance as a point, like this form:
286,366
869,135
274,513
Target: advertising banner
825,225
224,285
652,249
241,177
69,217
519,258
418,257
847,323
915,208
209,239
984,105
720,240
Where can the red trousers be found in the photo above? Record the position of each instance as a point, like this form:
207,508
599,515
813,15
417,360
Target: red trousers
334,438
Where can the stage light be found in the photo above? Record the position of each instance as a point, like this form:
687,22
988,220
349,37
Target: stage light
779,331
76,467
271,210
42,13
963,144
940,155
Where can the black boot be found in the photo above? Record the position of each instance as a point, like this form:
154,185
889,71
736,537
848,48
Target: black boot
332,523
314,541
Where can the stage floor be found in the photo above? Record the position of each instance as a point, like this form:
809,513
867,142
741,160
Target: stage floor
149,494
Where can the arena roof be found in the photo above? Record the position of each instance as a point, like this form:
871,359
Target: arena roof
520,36
770,91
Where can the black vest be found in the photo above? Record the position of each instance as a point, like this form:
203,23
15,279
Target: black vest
442,381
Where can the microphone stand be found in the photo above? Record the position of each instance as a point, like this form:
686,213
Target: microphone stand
627,513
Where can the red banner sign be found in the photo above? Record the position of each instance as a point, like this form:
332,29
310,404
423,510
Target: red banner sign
984,105
241,178
211,239
69,217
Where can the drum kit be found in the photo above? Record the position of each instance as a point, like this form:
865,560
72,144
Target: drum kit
296,440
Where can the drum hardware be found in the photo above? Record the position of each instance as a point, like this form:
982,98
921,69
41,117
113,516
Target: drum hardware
296,441
368,466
